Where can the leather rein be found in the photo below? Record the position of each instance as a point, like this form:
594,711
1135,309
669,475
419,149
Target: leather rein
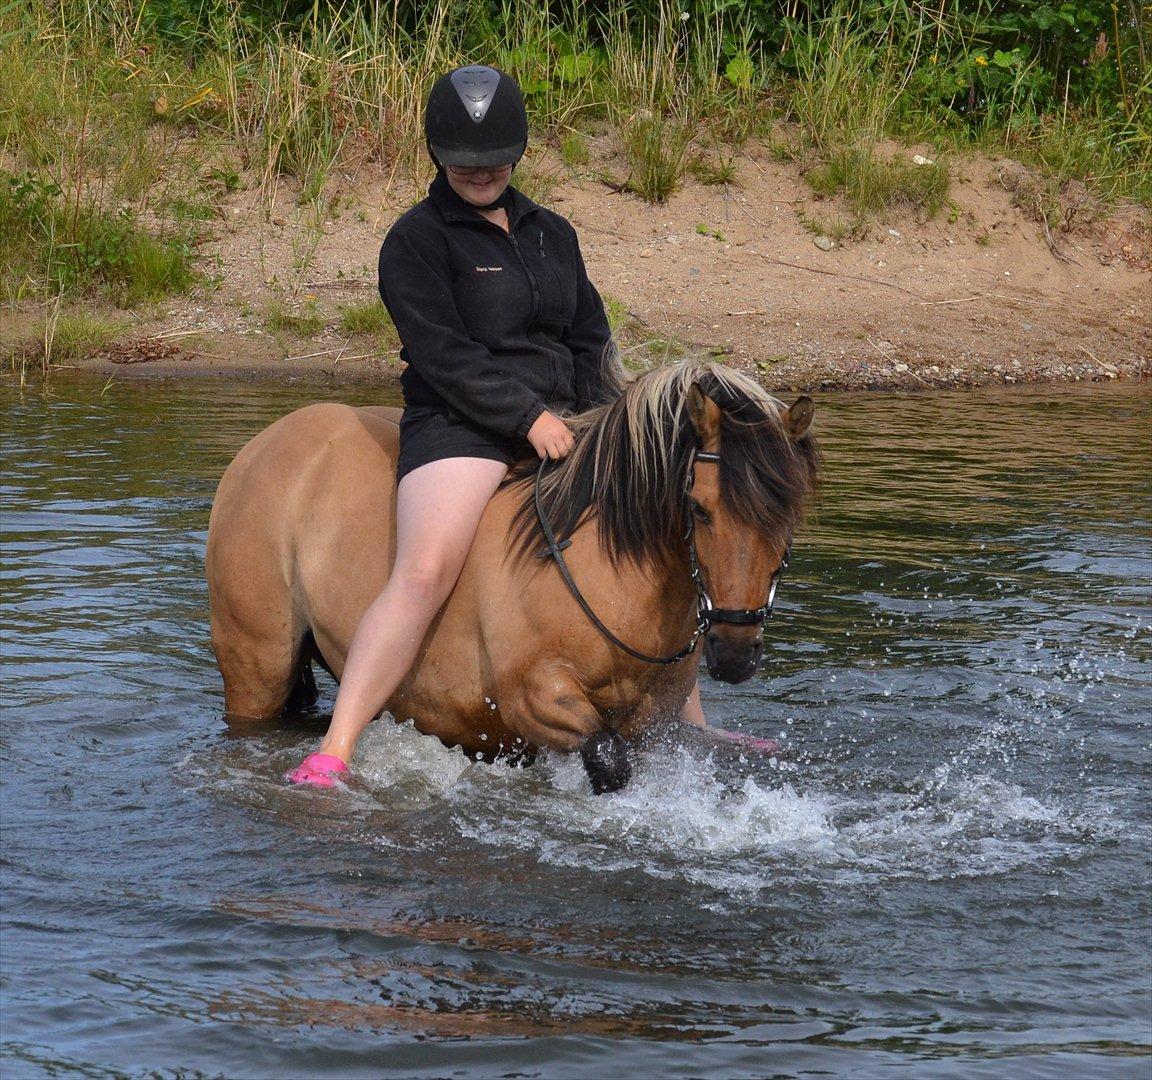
706,613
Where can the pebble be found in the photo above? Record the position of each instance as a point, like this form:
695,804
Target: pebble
824,243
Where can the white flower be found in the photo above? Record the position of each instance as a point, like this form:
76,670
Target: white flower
683,16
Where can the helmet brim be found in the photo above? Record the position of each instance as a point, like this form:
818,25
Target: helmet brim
506,155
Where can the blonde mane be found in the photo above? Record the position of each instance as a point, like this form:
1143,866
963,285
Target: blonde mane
629,468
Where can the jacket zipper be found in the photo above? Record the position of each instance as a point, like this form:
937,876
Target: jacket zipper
532,282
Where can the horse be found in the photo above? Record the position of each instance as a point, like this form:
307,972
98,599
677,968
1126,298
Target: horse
589,592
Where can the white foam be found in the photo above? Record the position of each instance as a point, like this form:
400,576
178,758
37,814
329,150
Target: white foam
688,819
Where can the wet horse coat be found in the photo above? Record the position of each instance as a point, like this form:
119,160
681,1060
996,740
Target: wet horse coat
301,541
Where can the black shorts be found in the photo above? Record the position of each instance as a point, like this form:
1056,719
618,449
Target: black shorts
428,434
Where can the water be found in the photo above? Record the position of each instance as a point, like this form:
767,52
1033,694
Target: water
948,877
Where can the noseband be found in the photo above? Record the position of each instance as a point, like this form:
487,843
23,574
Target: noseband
706,613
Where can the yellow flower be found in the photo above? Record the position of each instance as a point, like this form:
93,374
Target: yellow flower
981,62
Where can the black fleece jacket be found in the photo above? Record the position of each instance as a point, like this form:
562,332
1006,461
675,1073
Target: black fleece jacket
495,326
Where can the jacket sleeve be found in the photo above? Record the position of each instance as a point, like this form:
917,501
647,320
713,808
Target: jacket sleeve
416,286
588,338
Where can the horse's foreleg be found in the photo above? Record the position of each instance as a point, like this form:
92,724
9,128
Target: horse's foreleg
552,710
605,757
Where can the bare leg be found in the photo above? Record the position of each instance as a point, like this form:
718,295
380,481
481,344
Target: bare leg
438,509
693,711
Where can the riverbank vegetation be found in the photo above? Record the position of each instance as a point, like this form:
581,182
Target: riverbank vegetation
126,124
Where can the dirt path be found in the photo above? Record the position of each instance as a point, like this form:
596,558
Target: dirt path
977,295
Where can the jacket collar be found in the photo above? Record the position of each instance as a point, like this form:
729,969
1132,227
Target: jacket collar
454,208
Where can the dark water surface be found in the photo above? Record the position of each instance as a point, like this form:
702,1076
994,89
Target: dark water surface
950,879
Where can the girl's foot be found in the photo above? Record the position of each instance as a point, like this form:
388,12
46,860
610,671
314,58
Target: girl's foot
318,770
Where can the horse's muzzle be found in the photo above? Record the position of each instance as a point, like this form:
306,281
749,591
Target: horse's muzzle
732,660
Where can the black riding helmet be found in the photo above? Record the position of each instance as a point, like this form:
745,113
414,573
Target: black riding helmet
475,116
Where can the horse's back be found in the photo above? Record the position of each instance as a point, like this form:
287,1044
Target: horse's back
298,465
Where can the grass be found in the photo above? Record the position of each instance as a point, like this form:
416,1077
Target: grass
664,350
303,321
655,149
617,312
713,171
63,336
1089,148
837,229
370,317
874,185
75,335
574,150
535,179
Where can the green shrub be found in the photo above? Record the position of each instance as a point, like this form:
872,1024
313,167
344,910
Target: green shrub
52,245
655,148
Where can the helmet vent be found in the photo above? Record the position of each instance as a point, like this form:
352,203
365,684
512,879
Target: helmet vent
476,86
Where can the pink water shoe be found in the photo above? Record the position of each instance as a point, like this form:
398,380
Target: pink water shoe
318,770
750,742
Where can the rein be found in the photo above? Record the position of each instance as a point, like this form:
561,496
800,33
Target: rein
706,613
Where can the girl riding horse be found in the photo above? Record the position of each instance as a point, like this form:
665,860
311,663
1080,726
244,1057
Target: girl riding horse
503,334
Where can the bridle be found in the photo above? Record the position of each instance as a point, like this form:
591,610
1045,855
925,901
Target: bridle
706,613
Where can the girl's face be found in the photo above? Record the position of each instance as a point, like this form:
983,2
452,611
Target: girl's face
478,185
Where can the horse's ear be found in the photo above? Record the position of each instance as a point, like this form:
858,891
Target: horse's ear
798,418
704,414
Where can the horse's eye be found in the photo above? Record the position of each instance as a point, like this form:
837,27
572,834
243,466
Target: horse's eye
700,514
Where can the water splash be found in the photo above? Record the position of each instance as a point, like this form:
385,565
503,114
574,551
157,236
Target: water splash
735,830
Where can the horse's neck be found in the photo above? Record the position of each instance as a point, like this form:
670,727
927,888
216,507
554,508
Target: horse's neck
653,603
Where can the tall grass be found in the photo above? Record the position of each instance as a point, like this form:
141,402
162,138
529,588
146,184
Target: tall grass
348,84
655,149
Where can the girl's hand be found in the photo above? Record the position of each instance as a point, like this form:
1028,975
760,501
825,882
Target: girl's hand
550,437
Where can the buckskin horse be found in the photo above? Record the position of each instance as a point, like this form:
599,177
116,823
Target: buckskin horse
577,621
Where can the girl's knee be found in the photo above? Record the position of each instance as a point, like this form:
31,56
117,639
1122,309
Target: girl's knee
426,580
